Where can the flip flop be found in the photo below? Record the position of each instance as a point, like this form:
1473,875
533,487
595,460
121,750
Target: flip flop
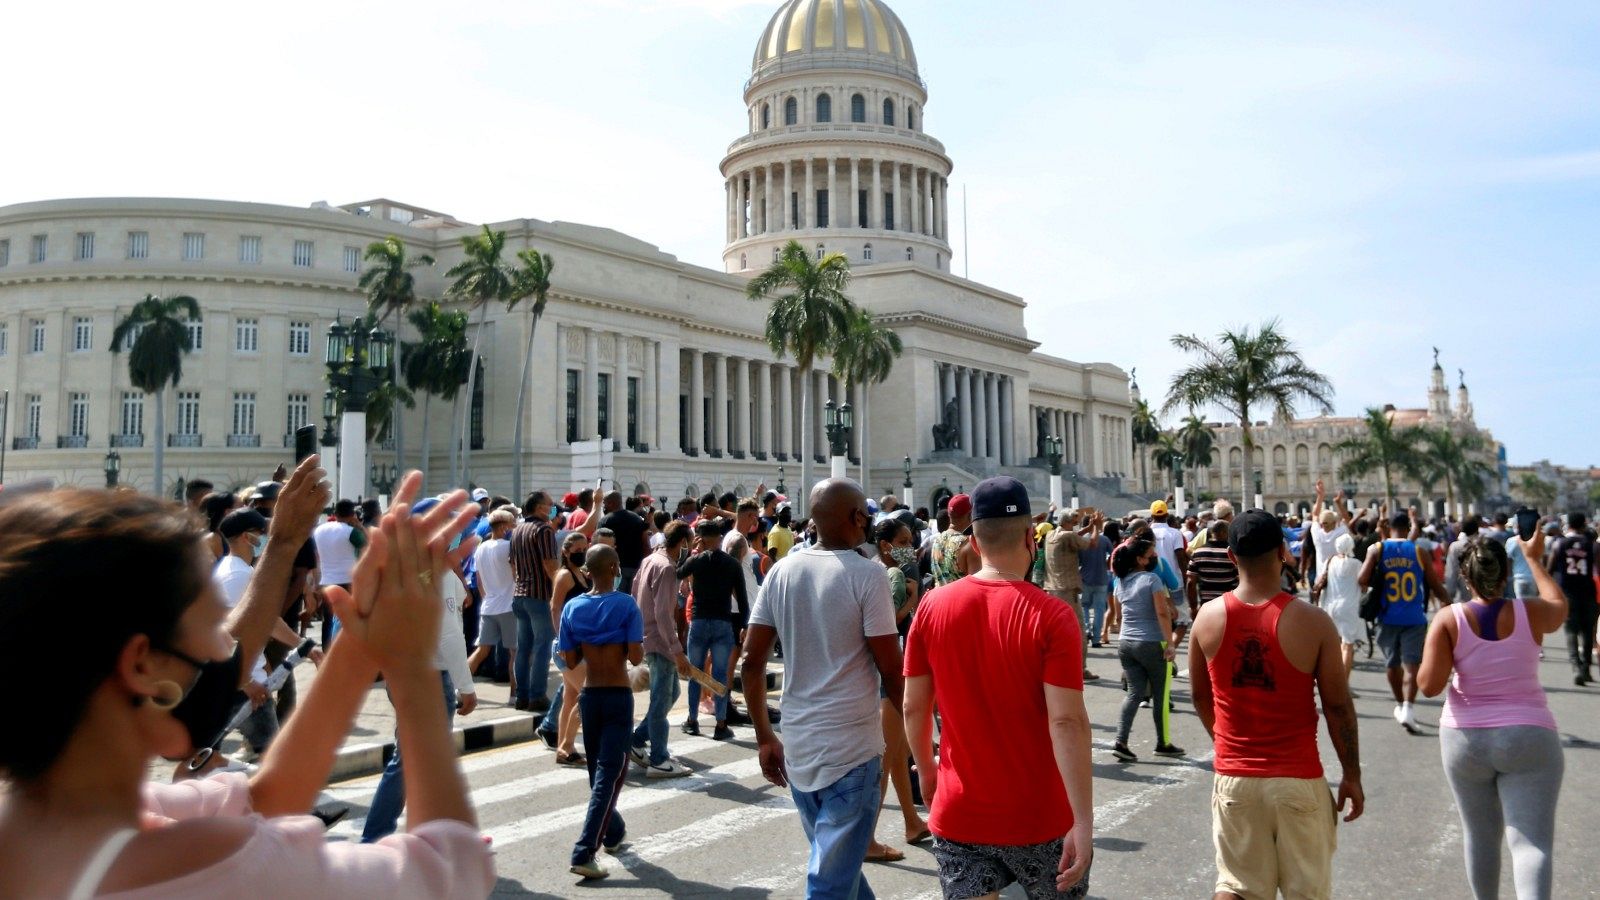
922,837
884,854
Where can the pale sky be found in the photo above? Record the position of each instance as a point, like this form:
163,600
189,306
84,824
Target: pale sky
1384,177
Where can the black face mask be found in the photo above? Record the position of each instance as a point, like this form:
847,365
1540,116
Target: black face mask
210,702
576,559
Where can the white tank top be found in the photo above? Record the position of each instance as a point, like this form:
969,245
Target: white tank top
336,556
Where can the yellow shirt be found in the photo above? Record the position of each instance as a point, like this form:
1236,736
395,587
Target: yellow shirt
780,540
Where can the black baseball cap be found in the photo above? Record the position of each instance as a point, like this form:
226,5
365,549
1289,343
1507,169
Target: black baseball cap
239,521
1254,533
999,497
266,490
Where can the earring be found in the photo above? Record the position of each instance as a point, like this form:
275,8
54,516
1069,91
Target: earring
167,695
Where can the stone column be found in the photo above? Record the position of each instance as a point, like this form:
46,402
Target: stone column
875,202
964,400
743,443
1007,425
938,207
897,200
764,410
854,221
697,400
833,195
766,211
561,379
991,416
727,208
591,393
947,375
916,199
811,194
719,402
649,385
788,193
785,410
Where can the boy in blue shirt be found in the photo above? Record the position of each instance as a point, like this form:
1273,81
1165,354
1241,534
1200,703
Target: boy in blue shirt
604,629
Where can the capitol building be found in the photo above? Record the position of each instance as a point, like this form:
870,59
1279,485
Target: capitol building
664,357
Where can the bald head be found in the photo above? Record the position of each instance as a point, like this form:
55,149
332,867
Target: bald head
602,562
839,509
612,501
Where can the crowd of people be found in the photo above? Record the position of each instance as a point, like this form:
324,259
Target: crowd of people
909,640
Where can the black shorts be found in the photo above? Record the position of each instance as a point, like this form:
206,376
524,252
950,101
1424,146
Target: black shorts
974,870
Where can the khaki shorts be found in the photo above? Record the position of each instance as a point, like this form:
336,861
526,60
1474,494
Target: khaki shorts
1274,834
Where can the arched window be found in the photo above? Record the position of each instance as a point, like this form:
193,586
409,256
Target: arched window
824,108
938,260
911,117
743,262
858,108
866,253
821,252
888,112
766,116
791,111
911,254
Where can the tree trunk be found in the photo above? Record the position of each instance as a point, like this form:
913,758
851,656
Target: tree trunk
803,496
466,412
427,445
161,439
866,439
522,398
1144,469
1246,463
1388,487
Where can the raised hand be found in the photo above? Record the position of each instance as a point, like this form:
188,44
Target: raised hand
300,503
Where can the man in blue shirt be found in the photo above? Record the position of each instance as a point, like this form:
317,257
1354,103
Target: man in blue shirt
1403,624
604,629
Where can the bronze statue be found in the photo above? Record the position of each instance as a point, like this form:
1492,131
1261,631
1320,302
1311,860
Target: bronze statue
947,434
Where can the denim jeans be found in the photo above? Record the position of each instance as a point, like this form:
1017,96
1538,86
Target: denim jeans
534,634
663,693
1095,603
838,821
551,722
390,797
713,636
607,714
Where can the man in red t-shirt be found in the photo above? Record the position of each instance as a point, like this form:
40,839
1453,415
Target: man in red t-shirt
1257,658
1003,660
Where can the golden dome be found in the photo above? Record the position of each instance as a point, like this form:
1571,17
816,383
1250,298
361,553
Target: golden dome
866,27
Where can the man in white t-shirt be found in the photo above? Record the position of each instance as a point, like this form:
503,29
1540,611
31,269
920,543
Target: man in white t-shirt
497,624
831,608
244,533
1170,544
1328,524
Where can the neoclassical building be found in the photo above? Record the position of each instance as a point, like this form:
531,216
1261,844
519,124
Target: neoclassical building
664,357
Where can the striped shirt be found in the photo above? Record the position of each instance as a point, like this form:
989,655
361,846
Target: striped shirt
1212,570
532,543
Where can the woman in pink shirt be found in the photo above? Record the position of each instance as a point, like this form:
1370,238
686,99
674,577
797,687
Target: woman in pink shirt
1502,754
77,816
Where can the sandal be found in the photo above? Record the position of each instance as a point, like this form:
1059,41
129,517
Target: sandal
922,836
573,759
883,853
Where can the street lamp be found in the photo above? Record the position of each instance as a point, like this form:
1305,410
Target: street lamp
113,468
906,496
839,422
1052,452
780,488
1074,491
1350,495
358,360
1259,501
383,478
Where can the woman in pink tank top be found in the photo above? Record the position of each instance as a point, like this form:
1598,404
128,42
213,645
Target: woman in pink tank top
1502,754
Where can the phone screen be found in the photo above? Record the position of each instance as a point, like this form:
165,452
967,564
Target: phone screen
305,442
1527,523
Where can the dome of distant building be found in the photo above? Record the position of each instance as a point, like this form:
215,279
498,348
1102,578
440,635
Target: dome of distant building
840,29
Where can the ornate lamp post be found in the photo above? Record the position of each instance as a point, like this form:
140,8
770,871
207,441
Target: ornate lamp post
113,468
839,422
383,478
1052,453
1177,484
1074,491
780,488
1259,501
357,360
1350,495
906,496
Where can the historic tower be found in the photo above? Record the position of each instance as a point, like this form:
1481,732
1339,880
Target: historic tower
834,155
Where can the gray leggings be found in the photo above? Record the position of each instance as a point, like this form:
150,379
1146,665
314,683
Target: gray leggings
1505,781
1145,665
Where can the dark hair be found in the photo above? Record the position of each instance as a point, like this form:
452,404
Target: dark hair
632,503
1113,533
196,487
707,499
1501,518
214,507
146,570
674,534
605,533
498,501
661,518
370,511
942,519
888,530
586,498
534,501
1484,565
922,513
1400,520
704,527
1125,559
1470,526
785,517
728,499
344,509
1576,521
1363,526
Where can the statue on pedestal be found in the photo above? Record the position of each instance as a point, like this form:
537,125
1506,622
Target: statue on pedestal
947,434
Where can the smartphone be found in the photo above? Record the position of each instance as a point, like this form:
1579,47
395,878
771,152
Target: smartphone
305,442
1527,523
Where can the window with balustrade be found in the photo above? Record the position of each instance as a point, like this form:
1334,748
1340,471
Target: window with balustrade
84,246
299,338
858,108
244,414
303,252
250,248
131,423
246,335
188,423
824,108
194,245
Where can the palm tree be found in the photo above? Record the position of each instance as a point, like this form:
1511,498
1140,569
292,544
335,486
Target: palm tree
436,364
1146,430
1168,448
1385,447
865,356
1455,460
532,281
809,312
1535,491
1243,371
479,279
392,291
156,335
1198,442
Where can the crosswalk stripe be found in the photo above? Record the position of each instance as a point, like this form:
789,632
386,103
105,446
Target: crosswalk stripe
706,831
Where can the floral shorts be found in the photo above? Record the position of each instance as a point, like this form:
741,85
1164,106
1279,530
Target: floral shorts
975,870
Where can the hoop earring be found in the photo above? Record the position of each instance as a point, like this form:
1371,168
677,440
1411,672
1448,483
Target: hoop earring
168,694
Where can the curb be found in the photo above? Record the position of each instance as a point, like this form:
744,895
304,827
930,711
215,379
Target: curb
361,760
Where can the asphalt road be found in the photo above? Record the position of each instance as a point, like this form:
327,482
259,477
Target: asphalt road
725,832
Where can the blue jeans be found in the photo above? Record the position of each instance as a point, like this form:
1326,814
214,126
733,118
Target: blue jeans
838,821
390,797
663,693
712,636
1095,603
534,634
552,718
607,715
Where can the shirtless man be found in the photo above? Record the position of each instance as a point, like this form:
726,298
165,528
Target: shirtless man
604,629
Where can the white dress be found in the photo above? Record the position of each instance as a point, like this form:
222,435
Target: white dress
1341,599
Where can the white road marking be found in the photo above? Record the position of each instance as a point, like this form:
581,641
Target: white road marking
1113,814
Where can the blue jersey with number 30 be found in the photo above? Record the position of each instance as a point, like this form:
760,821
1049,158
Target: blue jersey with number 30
1405,590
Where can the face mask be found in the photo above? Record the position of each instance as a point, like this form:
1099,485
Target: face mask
576,559
255,544
209,703
903,556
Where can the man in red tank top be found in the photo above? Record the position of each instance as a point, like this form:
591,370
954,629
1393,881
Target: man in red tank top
1257,657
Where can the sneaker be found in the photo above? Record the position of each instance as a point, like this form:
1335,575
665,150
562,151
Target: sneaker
613,848
1408,720
735,717
691,727
722,733
640,756
669,768
589,871
1096,644
1399,714
1090,676
539,704
1121,751
1169,750
1145,703
549,738
519,703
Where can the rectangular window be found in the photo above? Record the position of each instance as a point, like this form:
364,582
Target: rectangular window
35,335
605,405
822,209
35,407
194,245
82,333
862,204
188,413
352,259
85,246
794,210
197,333
244,413
249,249
888,210
138,245
132,413
78,414
299,412
5,252
302,254
246,335
299,338
572,405
633,412
5,338
41,245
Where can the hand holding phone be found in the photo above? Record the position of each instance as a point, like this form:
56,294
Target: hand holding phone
305,442
1527,523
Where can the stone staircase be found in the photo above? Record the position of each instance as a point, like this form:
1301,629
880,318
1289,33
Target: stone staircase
1108,494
